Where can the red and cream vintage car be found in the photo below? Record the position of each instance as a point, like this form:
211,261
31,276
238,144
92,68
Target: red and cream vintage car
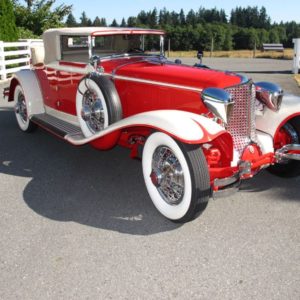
198,131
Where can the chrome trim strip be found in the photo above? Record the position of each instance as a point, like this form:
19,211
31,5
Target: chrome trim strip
165,84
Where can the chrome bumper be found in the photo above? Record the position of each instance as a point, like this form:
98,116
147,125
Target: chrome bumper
226,186
283,153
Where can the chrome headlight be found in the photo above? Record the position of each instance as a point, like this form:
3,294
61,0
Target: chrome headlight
269,94
219,102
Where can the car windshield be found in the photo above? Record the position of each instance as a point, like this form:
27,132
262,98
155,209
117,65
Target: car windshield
133,44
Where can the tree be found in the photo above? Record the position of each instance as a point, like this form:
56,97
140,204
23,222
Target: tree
114,23
8,28
84,20
123,23
182,18
71,21
191,18
40,15
132,22
97,22
103,22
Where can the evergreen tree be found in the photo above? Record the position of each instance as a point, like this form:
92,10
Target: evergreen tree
123,23
142,18
191,18
182,18
114,23
84,20
71,21
103,22
97,22
132,22
8,28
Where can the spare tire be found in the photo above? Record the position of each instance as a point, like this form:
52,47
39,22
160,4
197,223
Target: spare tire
97,104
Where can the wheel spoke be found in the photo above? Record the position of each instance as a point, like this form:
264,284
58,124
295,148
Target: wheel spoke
170,181
93,111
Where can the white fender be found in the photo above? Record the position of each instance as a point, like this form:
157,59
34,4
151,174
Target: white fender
270,120
32,91
184,126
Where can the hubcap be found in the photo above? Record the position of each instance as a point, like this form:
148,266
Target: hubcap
20,108
92,111
167,175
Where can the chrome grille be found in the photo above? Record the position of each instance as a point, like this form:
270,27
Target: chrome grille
241,123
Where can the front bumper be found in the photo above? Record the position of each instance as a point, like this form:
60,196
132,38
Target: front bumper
226,181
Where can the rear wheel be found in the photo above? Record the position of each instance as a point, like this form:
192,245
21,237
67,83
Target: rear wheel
176,177
21,111
289,133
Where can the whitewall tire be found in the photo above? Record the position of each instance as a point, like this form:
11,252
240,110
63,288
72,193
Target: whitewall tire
97,104
176,177
21,110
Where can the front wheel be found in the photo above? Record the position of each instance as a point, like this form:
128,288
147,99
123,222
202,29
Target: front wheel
176,177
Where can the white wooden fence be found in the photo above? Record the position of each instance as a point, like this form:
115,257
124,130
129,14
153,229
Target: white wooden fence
15,56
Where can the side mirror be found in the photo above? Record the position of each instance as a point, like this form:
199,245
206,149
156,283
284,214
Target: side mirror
269,94
94,61
219,102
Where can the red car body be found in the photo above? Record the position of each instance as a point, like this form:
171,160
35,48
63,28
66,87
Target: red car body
239,126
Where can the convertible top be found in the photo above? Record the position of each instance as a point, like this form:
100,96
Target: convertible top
52,40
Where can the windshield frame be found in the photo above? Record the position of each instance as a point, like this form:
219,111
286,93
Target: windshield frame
142,33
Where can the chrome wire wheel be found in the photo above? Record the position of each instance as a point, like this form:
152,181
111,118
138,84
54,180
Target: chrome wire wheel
21,111
176,177
92,111
167,175
20,107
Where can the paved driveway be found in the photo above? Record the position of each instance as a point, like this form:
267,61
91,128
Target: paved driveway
76,223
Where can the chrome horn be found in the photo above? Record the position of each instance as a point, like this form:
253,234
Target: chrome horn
269,94
219,102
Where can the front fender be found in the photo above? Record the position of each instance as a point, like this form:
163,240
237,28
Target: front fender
32,91
270,121
186,127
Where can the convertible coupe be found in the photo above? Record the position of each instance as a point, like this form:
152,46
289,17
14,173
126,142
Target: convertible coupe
199,132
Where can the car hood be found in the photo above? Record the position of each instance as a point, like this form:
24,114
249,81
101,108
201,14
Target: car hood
168,72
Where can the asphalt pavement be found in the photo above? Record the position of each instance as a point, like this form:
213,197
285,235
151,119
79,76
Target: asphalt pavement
76,223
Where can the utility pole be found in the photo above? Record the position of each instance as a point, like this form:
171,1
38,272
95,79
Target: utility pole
254,49
212,46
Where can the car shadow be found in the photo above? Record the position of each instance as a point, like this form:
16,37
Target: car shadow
80,184
100,189
283,189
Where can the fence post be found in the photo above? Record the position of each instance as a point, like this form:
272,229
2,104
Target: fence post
2,62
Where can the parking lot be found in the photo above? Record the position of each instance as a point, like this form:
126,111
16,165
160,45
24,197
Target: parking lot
76,223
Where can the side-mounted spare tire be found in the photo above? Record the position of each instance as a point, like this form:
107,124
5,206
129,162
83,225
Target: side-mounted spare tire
97,104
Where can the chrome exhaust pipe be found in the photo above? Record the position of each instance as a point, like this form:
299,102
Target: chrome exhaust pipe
282,154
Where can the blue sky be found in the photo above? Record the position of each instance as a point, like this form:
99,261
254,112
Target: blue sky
278,10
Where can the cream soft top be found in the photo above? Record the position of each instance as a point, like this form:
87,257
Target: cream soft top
51,37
